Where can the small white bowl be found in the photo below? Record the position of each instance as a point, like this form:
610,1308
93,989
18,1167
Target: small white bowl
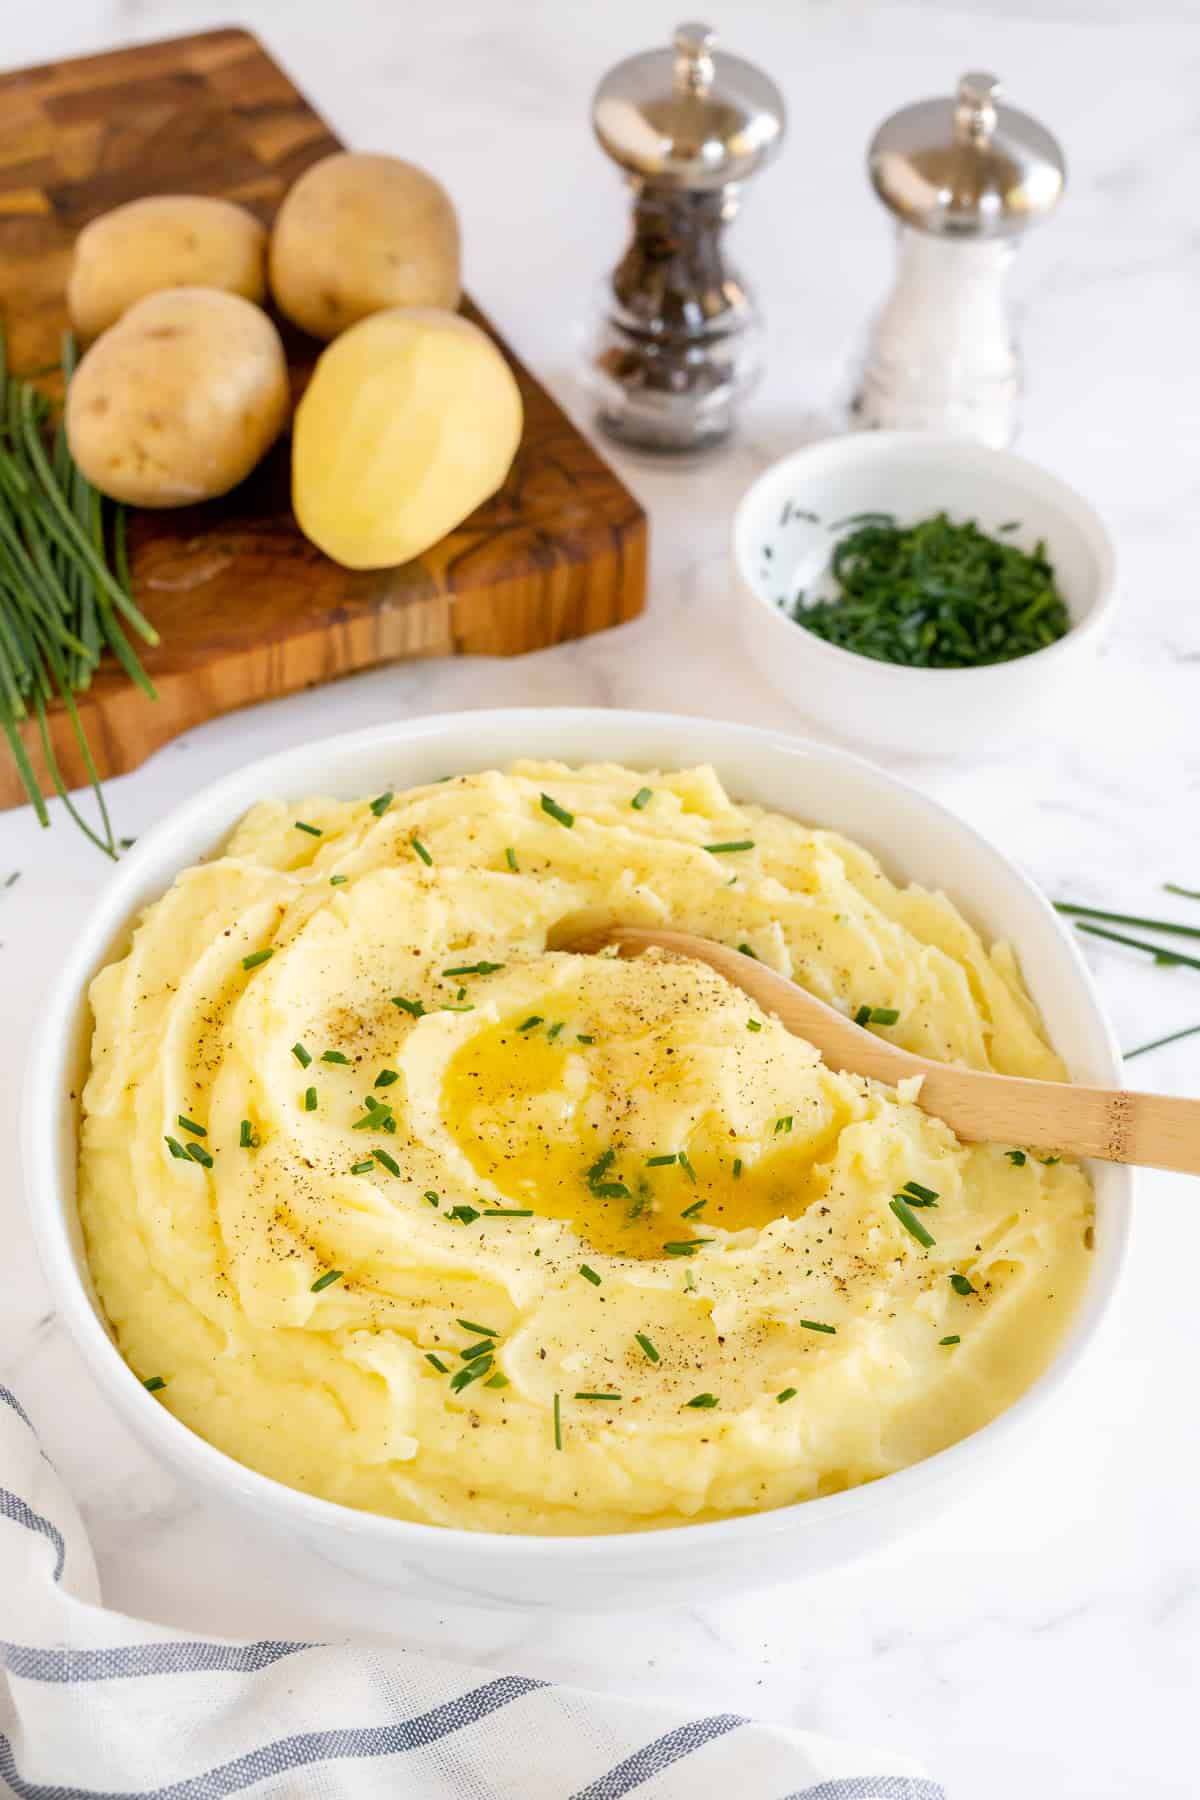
777,551
915,838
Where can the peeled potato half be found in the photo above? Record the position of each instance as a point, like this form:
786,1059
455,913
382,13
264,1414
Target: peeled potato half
410,422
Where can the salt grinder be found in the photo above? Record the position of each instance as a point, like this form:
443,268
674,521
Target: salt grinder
678,341
966,178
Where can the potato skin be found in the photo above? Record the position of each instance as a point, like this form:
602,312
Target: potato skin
164,241
180,400
358,234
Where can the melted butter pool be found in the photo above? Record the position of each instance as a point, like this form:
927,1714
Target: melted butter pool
565,1126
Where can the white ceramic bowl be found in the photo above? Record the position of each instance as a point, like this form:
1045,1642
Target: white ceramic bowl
914,837
777,551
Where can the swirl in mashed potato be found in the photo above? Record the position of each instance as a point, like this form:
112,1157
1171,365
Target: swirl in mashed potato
411,1210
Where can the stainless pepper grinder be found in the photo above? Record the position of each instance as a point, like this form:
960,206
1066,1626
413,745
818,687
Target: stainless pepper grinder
677,343
965,177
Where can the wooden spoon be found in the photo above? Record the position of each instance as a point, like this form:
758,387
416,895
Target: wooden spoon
1161,1132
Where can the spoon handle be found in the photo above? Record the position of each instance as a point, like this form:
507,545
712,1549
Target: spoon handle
1158,1131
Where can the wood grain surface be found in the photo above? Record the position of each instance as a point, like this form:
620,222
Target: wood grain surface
247,609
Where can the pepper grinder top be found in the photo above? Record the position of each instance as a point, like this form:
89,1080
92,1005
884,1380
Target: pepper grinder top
965,177
676,343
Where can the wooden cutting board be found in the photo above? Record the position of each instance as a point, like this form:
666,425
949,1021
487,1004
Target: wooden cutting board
247,609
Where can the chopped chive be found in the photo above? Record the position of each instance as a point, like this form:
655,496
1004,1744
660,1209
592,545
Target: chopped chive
611,1190
337,880
686,1246
191,1125
381,803
733,844
693,1211
301,1055
497,1380
648,1350
433,1199
386,1161
961,1285
257,958
310,1099
507,1212
737,1168
441,1367
747,951
1017,1158
589,1274
863,1016
916,1194
950,1340
477,968
312,830
463,1215
642,799
363,1168
531,1021
473,1352
597,1396
686,1166
910,1221
557,812
477,1330
786,1394
422,852
448,1008
1169,887
1048,1162
510,857
784,1124
11,880
334,1056
884,1015
703,1400
326,1280
386,1077
753,1024
414,1008
153,1383
248,1137
582,1037
661,1162
557,1407
600,1167
199,1154
473,1372
814,1325
555,1029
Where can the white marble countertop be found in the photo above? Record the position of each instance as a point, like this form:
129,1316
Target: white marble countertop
1043,1639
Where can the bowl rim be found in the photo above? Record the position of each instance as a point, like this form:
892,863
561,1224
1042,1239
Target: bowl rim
48,1072
858,447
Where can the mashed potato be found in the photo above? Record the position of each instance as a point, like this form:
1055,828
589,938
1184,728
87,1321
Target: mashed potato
408,1208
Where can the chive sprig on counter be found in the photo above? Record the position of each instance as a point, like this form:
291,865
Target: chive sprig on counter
936,596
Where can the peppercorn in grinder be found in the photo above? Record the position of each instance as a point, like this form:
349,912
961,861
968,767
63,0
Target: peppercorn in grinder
678,341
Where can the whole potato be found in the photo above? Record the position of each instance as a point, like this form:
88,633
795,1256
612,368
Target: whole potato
411,421
358,234
166,241
179,400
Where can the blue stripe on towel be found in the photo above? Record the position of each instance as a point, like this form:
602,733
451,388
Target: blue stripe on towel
20,1511
654,1757
297,1752
120,1661
872,1787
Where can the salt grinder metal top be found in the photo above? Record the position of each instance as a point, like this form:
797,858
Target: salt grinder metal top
965,177
677,342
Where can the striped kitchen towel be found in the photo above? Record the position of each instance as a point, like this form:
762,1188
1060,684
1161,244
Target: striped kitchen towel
97,1706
